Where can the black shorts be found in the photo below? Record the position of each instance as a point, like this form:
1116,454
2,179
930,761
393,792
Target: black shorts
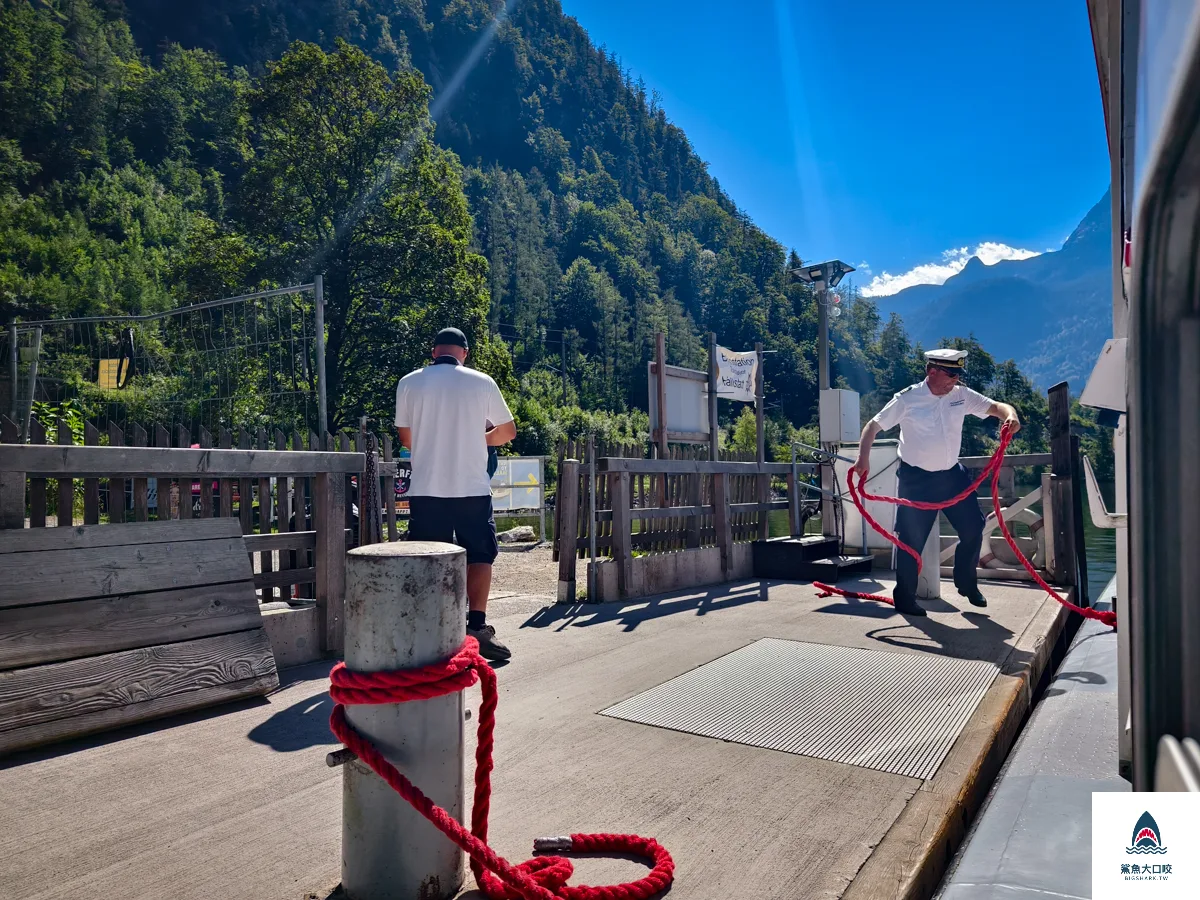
466,521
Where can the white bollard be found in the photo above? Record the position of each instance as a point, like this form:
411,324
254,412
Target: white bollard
406,606
929,581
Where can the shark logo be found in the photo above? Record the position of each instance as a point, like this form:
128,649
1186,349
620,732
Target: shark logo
1147,838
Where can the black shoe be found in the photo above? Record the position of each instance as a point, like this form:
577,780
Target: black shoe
910,609
489,646
974,597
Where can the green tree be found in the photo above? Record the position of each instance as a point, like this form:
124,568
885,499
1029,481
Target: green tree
347,181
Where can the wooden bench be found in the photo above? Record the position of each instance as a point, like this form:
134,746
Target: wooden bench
105,625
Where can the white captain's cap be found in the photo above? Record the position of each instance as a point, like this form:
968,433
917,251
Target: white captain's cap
946,358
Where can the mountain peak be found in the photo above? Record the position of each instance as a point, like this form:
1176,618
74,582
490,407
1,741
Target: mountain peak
1095,229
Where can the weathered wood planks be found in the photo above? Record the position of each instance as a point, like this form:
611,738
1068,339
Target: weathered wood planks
104,625
68,699
53,632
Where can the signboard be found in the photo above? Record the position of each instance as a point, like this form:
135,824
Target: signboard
687,403
736,374
517,483
403,480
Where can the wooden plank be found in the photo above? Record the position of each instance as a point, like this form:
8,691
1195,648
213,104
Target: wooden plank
53,632
568,499
687,374
226,485
1060,500
67,699
65,512
170,497
12,484
329,507
183,439
284,578
695,466
129,462
37,486
266,561
283,512
91,486
722,522
300,489
290,540
116,486
389,493
622,526
141,507
245,489
133,534
206,494
56,575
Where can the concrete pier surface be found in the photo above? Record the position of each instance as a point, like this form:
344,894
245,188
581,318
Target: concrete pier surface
238,802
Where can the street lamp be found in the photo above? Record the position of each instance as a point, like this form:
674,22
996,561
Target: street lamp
823,277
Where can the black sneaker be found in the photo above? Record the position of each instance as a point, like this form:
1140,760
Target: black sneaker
974,597
910,609
489,646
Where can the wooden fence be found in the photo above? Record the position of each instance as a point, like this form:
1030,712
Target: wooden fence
275,506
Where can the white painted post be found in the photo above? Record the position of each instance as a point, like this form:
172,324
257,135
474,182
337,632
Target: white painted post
406,606
929,582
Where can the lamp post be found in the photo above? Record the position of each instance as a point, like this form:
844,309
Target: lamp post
823,277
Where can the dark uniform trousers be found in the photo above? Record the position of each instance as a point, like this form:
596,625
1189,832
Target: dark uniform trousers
913,526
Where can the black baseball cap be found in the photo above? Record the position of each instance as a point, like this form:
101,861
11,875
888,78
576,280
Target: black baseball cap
450,337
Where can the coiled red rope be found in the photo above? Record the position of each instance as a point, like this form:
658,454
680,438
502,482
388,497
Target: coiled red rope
859,493
541,878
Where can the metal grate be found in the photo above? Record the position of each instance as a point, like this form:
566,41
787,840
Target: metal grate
896,712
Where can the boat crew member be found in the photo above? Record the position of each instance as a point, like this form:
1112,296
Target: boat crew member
449,416
930,415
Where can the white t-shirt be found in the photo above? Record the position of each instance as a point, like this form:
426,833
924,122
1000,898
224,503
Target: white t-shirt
931,427
448,408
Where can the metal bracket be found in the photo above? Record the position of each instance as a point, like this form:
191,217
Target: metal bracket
1101,517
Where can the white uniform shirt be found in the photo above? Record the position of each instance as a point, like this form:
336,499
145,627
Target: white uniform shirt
448,408
931,427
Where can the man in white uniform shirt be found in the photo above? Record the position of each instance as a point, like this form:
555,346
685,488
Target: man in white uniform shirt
930,415
448,416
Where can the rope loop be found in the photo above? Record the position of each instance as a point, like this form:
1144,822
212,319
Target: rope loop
540,878
859,492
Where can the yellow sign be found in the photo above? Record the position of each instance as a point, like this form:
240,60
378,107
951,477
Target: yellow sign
108,374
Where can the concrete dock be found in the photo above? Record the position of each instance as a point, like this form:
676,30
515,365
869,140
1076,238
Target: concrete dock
238,803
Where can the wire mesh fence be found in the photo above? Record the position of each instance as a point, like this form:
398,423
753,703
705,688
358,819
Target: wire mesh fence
245,359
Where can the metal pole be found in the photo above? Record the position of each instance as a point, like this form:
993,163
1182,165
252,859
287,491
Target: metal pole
822,339
660,366
714,434
542,498
33,367
591,576
319,302
406,606
562,345
12,372
760,433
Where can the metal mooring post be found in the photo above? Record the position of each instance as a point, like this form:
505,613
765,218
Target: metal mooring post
406,606
929,582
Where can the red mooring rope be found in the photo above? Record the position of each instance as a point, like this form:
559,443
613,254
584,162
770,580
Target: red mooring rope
541,878
859,493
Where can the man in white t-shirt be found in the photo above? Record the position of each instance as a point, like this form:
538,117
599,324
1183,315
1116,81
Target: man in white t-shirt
930,415
448,416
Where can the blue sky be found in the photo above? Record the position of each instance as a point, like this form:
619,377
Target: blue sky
886,132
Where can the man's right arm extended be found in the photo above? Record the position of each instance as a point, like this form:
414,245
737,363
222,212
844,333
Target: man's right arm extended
863,464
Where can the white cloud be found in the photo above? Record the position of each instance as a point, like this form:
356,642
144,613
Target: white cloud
953,261
863,270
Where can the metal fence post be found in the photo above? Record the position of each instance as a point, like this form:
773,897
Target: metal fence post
319,304
406,606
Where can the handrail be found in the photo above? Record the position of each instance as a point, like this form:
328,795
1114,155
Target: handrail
1011,460
1101,517
52,460
608,464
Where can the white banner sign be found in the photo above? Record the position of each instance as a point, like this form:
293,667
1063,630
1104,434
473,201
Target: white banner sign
736,373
